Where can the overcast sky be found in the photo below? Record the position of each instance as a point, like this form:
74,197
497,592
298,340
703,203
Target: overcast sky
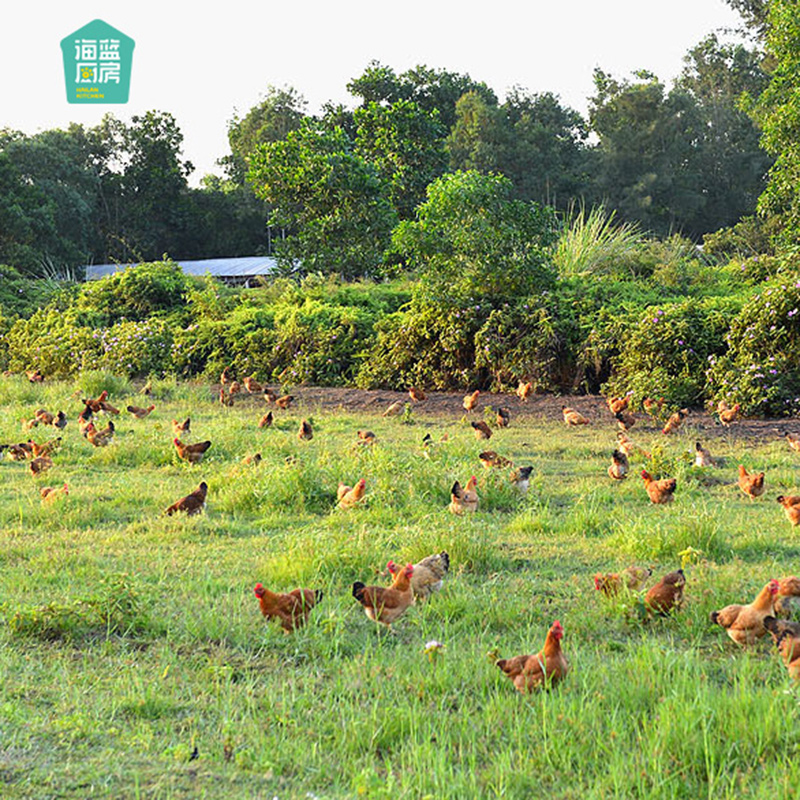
204,64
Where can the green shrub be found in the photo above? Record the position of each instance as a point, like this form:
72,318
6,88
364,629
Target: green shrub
136,348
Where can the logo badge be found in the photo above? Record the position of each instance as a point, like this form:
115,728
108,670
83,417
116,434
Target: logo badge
97,64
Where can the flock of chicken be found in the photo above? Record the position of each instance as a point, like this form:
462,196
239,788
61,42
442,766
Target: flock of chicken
745,624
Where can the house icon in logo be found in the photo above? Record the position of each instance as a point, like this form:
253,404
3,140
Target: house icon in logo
97,64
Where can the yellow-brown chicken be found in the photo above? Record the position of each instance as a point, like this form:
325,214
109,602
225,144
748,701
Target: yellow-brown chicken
266,420
252,385
470,401
39,465
659,491
234,388
417,395
540,671
632,578
269,395
653,407
503,418
794,442
524,391
227,376
226,400
291,609
17,452
745,624
428,575
285,401
100,437
139,412
489,459
305,433
193,453
348,496
786,635
192,504
728,416
253,459
667,594
394,409
464,500
675,421
791,507
387,604
34,376
625,419
627,446
181,427
482,430
752,484
619,466
702,456
50,494
573,417
95,405
46,418
617,404
787,601
366,437
45,449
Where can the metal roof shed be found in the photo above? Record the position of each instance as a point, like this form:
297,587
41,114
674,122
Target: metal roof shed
238,271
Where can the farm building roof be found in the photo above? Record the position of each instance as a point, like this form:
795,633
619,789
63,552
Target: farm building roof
245,267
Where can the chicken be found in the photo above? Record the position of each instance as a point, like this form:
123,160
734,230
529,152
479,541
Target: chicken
543,670
38,465
794,442
428,574
573,417
234,388
619,466
348,496
659,491
667,594
417,395
653,407
627,446
632,578
252,385
107,408
147,389
17,452
100,437
745,624
464,501
34,376
702,457
226,399
181,427
266,420
253,459
44,417
394,409
524,391
787,602
27,424
226,376
791,507
46,449
139,412
285,401
503,418
675,421
192,504
751,484
305,432
625,420
489,459
470,401
95,406
366,437
193,453
291,609
617,404
521,478
786,635
727,416
387,604
269,395
482,430
51,493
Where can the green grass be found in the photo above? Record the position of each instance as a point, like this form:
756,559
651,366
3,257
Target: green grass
128,638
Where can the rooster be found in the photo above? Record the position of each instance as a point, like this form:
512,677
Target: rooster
464,501
541,671
659,491
192,504
291,609
349,496
745,624
667,594
387,605
482,430
751,484
193,453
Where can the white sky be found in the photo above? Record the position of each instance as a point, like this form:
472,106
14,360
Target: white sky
203,64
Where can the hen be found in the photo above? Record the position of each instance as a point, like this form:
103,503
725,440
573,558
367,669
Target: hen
266,420
139,412
745,624
632,578
226,400
727,416
787,603
791,507
503,418
464,500
193,453
417,395
51,493
524,391
101,437
285,401
675,421
38,465
751,484
617,404
387,604
786,636
667,594
305,432
659,491
291,609
428,574
702,457
95,405
653,407
192,504
543,670
794,442
394,409
521,478
482,430
625,419
252,385
348,496
573,417
470,401
619,466
181,427
491,459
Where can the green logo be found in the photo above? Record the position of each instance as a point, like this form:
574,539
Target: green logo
97,64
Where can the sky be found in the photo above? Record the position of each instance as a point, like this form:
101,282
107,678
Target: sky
205,65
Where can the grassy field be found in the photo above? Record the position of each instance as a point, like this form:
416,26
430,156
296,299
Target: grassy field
132,641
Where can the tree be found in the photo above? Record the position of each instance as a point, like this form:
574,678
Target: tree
473,243
334,203
479,135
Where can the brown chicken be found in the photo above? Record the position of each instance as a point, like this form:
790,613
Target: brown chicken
751,484
619,466
107,408
675,421
573,417
428,575
305,432
627,446
285,401
503,418
226,400
226,376
540,671
632,578
181,427
489,459
702,457
745,624
269,395
387,604
482,430
464,500
266,420
291,609
524,391
617,404
101,437
653,407
794,442
786,635
253,459
727,416
659,491
417,395
44,417
667,594
366,437
625,419
348,496
252,385
192,504
95,406
193,453
50,493
234,388
17,452
394,409
38,465
46,449
34,376
787,602
470,401
791,507
139,412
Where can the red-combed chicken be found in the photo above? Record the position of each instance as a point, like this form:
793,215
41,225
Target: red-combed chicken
619,466
192,504
417,395
667,594
632,578
791,507
387,604
348,496
428,575
193,453
464,500
573,417
540,671
52,493
745,624
139,412
786,635
751,484
659,491
291,609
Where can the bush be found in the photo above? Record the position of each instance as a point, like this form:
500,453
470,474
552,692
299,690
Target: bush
136,349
